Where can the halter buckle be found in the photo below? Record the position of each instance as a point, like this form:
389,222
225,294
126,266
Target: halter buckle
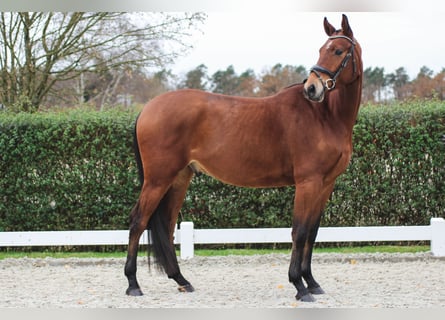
330,84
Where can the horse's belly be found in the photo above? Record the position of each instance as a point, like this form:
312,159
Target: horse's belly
245,176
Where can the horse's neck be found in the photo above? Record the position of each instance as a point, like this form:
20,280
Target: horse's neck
345,103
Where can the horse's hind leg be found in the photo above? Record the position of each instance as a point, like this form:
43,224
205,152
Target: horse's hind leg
173,201
140,215
158,209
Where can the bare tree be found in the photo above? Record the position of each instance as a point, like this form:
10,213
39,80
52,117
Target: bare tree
40,49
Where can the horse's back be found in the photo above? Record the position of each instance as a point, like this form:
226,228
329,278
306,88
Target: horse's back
196,110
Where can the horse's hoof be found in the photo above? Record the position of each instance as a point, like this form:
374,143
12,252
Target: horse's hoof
134,292
186,288
305,298
316,290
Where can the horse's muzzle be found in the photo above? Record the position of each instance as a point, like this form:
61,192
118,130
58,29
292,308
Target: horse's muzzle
312,92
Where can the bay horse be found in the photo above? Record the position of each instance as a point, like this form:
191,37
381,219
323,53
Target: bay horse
301,136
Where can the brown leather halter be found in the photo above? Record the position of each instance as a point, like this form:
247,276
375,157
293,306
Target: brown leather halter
329,84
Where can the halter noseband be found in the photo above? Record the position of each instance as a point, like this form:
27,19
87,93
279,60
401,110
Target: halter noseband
330,83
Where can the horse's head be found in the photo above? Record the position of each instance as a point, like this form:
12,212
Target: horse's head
339,62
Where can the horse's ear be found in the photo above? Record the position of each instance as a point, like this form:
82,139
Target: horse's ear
328,27
347,31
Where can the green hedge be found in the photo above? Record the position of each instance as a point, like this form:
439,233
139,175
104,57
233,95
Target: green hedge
64,171
397,172
76,171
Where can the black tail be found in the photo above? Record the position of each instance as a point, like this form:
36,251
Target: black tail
163,249
158,225
137,153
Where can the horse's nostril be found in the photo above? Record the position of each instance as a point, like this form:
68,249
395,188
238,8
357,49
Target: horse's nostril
311,90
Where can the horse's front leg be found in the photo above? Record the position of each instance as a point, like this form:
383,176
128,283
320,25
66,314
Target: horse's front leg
306,269
299,234
306,219
312,285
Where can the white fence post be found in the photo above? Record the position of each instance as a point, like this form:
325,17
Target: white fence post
438,237
187,246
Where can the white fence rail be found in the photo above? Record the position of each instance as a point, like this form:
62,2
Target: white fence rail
187,236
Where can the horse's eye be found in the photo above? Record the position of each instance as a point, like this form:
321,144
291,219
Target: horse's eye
338,52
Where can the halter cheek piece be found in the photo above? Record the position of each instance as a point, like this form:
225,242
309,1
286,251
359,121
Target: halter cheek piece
330,83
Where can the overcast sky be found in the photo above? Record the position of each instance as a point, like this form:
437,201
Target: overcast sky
258,34
261,39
